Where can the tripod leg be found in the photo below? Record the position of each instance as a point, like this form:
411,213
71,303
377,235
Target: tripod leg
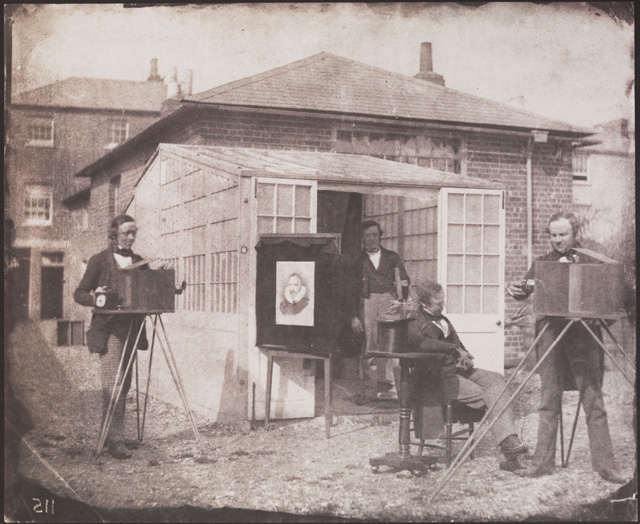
561,436
267,402
519,367
146,393
119,385
565,461
607,352
137,397
606,328
480,433
177,380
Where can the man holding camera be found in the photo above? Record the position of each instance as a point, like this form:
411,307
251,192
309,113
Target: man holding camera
577,362
108,333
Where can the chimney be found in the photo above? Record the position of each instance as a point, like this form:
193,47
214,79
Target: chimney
173,88
426,66
153,72
187,83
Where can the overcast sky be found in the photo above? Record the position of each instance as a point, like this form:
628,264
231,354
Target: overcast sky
567,61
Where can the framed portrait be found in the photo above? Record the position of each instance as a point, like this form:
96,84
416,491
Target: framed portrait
295,293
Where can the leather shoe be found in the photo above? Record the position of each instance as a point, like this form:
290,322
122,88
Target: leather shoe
512,447
511,464
119,450
612,475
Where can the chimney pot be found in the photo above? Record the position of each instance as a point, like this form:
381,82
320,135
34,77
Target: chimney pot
187,83
173,88
153,71
426,66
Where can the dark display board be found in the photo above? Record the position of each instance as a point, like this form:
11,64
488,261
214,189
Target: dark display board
297,301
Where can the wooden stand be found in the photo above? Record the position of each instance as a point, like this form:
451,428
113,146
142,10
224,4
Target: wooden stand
403,460
123,370
273,351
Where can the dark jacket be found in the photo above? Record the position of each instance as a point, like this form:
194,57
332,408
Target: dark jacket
103,271
425,336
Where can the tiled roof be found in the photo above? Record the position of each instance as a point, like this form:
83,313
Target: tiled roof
97,93
326,82
329,168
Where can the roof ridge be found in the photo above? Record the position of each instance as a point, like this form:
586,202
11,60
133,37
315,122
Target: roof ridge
230,86
56,83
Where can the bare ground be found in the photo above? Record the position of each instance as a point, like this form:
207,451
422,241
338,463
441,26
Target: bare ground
291,469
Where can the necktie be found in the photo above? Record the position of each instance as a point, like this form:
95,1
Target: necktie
123,252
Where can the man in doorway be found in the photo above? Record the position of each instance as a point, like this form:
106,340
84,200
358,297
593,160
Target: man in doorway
375,271
577,358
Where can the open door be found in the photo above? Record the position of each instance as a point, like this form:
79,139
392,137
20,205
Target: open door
471,237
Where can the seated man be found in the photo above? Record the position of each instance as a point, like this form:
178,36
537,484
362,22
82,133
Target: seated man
458,378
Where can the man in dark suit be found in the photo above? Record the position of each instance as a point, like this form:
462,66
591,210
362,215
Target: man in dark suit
108,333
458,378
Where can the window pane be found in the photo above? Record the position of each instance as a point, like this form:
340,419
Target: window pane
285,204
265,225
456,203
303,201
303,225
472,270
454,269
454,239
490,300
473,239
491,239
492,209
474,209
283,225
454,299
490,269
472,299
265,199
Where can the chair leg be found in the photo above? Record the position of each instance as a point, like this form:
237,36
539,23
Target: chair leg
471,430
448,425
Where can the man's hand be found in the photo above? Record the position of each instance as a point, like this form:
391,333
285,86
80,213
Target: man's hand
356,325
516,290
464,363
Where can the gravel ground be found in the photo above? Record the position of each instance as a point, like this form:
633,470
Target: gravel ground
290,469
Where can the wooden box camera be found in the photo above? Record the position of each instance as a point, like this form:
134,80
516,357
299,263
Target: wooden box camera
578,290
148,290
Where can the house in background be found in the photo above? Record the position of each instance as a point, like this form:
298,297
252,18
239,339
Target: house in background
604,181
56,130
472,238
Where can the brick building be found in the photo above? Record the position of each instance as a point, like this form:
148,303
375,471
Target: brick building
328,104
56,130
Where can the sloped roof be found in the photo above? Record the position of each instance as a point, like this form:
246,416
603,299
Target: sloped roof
326,82
331,168
97,93
610,139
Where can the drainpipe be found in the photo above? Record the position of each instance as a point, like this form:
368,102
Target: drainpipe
529,203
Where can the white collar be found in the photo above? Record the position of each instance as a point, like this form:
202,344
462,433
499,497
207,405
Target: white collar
299,295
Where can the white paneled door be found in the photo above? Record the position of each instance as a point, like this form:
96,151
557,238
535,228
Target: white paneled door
471,269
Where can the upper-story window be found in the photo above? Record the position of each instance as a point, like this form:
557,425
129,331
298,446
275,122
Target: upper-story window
40,132
441,153
580,162
118,133
38,204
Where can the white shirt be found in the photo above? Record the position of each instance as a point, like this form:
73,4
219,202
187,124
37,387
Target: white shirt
375,258
443,325
123,261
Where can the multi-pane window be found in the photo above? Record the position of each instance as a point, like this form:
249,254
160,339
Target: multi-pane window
38,203
224,282
119,132
286,206
580,165
40,132
473,253
441,153
194,274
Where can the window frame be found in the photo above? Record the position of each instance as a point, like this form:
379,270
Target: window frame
313,203
580,176
30,192
32,124
112,130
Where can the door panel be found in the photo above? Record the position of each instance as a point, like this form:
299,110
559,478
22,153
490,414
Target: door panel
471,269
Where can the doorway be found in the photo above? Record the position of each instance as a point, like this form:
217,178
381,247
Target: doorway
51,285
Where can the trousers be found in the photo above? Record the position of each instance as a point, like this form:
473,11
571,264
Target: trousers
376,306
109,363
479,388
582,355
